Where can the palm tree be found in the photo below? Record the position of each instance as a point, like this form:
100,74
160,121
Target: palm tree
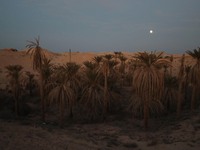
117,55
45,73
108,56
166,73
92,93
194,75
165,70
65,87
132,65
186,77
182,67
170,91
148,80
97,60
36,53
38,57
105,70
14,74
72,75
181,85
122,67
122,59
89,65
29,82
61,94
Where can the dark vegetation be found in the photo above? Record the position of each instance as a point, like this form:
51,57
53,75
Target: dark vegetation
108,85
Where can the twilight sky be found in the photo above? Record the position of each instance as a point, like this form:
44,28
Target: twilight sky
101,25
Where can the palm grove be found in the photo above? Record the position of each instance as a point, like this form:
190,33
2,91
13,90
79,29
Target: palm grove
95,87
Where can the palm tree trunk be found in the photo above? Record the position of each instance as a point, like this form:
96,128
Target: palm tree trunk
105,94
147,98
16,107
193,100
43,107
71,113
146,115
168,101
61,114
179,100
30,87
186,88
171,71
43,104
16,97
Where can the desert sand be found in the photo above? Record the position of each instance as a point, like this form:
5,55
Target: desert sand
117,132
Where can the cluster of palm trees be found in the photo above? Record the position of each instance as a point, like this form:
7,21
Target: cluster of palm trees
92,85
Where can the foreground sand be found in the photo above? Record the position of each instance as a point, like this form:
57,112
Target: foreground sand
164,134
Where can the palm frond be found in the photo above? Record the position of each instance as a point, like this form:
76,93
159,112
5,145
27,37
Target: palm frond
36,53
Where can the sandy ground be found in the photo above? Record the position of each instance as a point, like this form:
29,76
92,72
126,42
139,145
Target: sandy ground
167,134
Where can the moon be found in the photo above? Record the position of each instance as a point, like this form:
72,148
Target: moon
151,31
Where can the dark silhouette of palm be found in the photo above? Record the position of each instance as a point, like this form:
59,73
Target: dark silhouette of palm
62,95
149,81
194,76
97,60
38,57
64,87
36,53
14,73
181,85
89,65
29,82
92,93
46,72
105,69
170,92
122,68
73,77
122,59
186,78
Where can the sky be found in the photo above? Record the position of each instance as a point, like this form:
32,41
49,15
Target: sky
101,25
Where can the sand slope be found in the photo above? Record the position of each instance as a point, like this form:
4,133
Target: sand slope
12,57
113,135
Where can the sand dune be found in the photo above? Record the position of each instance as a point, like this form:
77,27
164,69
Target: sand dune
10,56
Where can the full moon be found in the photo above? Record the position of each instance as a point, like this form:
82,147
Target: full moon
151,31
